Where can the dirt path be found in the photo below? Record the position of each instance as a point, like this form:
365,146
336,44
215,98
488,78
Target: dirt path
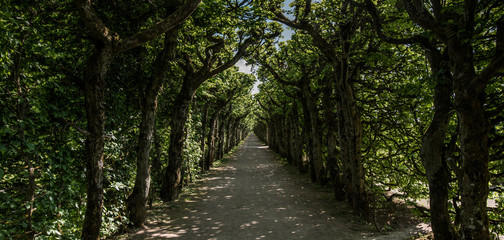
254,197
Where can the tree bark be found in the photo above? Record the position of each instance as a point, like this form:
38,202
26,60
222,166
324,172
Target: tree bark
474,151
308,140
137,201
469,89
203,138
216,144
229,134
234,134
474,129
156,165
107,45
173,174
222,137
278,134
211,143
350,126
212,137
317,168
350,137
94,78
432,149
192,80
333,164
22,106
296,139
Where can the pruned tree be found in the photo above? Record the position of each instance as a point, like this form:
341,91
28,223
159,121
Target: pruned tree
107,44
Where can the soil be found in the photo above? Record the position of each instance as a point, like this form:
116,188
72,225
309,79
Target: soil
254,196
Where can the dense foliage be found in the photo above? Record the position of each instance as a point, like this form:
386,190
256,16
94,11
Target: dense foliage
43,169
107,106
410,87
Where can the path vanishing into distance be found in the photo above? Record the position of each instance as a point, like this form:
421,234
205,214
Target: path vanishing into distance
253,196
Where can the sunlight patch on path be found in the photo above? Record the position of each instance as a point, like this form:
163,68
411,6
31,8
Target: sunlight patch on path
254,197
259,147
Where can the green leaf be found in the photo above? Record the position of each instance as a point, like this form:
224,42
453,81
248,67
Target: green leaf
30,145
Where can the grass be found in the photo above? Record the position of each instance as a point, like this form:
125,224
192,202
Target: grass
221,162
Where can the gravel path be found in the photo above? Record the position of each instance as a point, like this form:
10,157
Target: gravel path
253,197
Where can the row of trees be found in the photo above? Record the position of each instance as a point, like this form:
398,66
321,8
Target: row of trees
367,96
392,95
95,94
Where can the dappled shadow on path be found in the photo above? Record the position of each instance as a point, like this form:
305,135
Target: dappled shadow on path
252,197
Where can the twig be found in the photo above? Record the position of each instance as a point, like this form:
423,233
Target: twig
78,128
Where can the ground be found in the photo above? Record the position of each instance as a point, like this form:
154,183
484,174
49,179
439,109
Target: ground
255,196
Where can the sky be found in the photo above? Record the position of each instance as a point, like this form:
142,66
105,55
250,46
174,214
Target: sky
242,67
286,35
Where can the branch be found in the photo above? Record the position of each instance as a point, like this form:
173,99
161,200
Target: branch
291,95
239,118
420,15
275,102
436,6
277,76
307,10
497,62
377,25
242,50
78,128
98,29
325,47
262,106
210,52
280,17
469,9
181,14
187,66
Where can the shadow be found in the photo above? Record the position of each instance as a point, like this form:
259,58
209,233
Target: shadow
252,197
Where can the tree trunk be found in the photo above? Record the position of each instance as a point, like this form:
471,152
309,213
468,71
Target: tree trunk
318,164
266,136
173,175
350,126
469,89
350,136
307,139
107,44
22,107
222,138
291,139
137,201
435,165
286,138
317,169
94,78
230,134
217,140
298,140
474,127
278,134
156,166
333,164
203,138
233,134
271,134
211,141
475,174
